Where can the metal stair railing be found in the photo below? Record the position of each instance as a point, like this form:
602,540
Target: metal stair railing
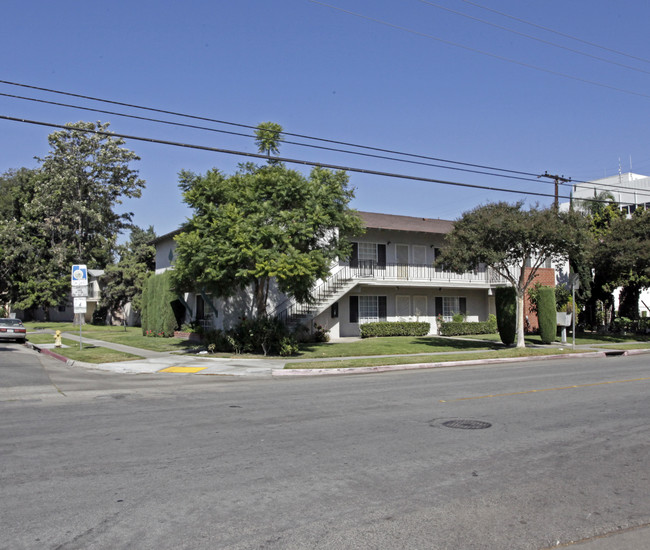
320,295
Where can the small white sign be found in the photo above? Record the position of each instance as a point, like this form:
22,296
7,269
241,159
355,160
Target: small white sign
80,291
79,305
79,275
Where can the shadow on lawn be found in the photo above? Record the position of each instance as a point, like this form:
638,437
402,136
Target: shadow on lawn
399,345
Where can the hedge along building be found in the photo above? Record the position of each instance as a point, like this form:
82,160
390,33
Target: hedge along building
390,276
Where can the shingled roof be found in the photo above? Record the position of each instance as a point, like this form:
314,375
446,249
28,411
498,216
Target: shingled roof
393,222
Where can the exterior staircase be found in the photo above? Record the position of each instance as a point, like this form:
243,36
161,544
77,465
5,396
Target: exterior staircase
294,313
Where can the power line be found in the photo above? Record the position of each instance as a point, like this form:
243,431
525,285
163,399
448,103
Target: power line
321,147
482,52
281,159
186,125
240,125
193,126
530,37
554,31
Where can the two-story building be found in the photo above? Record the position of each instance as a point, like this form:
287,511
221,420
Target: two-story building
390,276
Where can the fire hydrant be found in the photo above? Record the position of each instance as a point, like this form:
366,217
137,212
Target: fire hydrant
57,339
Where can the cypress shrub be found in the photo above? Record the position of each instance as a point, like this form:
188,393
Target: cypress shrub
505,299
158,318
546,314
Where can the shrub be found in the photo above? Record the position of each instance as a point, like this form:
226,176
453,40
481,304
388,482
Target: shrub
546,314
397,328
492,322
158,316
506,305
262,335
460,329
99,316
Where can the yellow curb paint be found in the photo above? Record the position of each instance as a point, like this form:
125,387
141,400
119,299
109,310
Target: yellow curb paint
187,370
546,389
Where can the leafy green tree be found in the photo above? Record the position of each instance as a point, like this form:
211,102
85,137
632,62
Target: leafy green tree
69,215
623,258
510,239
268,136
123,282
16,191
263,223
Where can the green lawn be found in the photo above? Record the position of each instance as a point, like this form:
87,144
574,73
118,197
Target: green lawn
132,336
88,353
410,360
630,346
583,338
390,346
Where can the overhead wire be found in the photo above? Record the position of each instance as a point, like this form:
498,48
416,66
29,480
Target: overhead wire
193,126
282,159
555,31
248,126
313,146
530,37
482,52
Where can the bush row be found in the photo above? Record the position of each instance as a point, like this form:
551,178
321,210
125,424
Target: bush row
460,329
399,328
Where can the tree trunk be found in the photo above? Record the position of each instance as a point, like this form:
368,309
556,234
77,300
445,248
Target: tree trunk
260,296
520,318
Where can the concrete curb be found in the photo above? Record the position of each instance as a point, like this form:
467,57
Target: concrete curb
417,366
44,351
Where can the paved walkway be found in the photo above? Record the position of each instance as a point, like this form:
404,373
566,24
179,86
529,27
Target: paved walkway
180,364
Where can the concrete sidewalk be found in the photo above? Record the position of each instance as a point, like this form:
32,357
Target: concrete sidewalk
154,362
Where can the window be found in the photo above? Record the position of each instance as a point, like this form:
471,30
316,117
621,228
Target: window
403,307
367,309
419,255
368,256
368,251
448,306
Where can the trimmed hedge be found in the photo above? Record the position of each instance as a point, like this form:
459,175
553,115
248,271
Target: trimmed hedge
546,314
158,317
505,299
397,328
460,329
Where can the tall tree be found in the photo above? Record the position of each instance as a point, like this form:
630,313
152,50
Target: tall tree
16,192
123,282
69,216
623,258
512,241
263,223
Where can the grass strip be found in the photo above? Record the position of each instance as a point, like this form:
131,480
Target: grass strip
88,354
132,336
582,339
411,360
630,346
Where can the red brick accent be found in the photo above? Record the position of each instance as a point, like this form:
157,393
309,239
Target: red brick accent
545,276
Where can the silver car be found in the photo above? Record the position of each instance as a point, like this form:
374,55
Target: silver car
12,329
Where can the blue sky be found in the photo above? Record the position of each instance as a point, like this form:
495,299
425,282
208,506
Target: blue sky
402,75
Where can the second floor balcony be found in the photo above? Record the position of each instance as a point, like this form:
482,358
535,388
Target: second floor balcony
373,271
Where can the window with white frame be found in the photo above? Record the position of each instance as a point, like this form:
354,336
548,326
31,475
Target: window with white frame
451,305
368,251
368,309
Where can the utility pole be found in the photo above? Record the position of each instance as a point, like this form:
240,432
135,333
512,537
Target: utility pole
558,180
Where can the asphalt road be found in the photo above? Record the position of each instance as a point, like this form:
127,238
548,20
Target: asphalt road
98,460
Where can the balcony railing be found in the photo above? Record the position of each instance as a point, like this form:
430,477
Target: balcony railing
369,269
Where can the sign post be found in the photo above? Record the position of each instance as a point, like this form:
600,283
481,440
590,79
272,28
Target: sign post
79,282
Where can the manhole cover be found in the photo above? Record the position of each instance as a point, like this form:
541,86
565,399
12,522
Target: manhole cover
462,424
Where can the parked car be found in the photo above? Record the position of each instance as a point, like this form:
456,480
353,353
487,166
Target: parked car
12,329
